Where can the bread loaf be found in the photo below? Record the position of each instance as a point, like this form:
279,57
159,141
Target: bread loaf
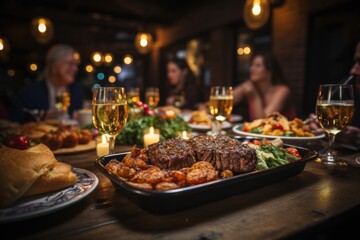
30,172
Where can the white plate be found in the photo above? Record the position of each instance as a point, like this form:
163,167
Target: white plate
238,126
48,203
236,118
224,125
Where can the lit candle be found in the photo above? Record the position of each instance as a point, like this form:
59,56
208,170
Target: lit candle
102,146
184,134
151,136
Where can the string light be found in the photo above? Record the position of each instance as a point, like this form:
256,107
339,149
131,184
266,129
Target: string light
97,58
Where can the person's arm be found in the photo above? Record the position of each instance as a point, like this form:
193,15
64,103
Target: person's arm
278,100
242,90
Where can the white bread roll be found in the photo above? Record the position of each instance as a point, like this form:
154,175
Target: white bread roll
35,169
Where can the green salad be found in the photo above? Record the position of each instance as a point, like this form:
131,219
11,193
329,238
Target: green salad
273,153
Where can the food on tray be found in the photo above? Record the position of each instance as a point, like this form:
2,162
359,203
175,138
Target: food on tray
177,163
200,117
278,125
171,154
31,172
224,153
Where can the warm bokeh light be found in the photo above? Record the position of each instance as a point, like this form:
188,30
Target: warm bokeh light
117,69
1,44
97,58
77,57
247,50
112,79
89,68
244,50
11,72
128,59
33,67
108,58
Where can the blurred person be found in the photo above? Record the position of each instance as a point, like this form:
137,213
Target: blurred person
59,75
265,91
184,91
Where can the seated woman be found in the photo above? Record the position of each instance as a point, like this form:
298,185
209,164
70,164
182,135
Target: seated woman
185,91
265,90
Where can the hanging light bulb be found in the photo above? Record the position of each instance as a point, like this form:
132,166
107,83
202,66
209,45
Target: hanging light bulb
256,13
42,29
143,42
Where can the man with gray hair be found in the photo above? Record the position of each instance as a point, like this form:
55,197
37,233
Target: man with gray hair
59,82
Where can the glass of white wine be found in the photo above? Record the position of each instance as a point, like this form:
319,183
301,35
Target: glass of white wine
62,103
133,95
334,110
221,105
152,96
109,112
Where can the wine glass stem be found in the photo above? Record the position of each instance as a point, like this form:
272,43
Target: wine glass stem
330,155
216,127
111,144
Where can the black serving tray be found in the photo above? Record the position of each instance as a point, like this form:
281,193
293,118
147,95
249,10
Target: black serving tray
160,202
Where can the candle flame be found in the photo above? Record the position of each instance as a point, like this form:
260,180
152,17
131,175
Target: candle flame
151,130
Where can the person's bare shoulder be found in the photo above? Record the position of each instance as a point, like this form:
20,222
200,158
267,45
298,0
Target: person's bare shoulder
282,90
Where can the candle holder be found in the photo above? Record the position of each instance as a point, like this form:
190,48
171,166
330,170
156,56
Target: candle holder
184,134
102,146
151,135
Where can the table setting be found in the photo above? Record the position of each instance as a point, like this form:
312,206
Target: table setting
111,175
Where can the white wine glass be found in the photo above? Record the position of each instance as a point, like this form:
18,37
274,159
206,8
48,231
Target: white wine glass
152,96
109,112
334,110
221,105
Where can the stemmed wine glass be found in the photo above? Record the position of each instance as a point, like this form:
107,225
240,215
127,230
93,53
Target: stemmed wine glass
109,112
221,105
334,110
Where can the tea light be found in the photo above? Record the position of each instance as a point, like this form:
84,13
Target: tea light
102,146
184,134
151,136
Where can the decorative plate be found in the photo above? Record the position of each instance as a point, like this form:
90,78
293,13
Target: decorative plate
237,129
51,202
224,125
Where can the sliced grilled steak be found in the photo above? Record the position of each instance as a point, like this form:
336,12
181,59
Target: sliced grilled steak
171,154
224,153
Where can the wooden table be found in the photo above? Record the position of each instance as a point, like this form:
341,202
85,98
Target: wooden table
309,205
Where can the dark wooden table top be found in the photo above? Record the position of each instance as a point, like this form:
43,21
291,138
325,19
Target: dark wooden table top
312,203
